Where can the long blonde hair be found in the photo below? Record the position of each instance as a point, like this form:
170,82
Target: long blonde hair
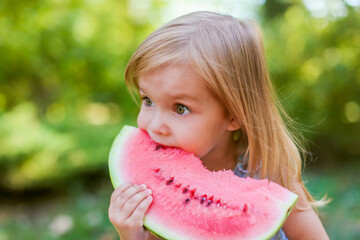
228,54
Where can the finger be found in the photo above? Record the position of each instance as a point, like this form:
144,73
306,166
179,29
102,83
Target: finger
119,198
138,214
128,194
114,206
134,202
119,190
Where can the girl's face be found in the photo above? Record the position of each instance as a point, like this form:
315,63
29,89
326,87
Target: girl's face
178,110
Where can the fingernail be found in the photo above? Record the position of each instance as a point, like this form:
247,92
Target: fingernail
148,191
143,186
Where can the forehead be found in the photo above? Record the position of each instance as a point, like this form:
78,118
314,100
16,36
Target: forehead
178,80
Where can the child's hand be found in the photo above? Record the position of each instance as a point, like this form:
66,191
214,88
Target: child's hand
127,209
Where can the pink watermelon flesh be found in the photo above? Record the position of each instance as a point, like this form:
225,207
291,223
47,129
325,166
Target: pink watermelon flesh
191,202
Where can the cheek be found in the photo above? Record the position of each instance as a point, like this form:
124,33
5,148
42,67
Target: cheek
141,120
203,140
194,143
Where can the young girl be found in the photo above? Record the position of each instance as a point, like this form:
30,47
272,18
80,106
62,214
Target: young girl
205,88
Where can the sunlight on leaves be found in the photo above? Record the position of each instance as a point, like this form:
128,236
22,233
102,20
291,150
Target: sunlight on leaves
56,113
352,112
312,69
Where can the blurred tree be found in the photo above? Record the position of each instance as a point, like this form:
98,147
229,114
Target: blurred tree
63,99
315,63
275,8
62,94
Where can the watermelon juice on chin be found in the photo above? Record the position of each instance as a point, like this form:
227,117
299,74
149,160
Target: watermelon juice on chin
191,202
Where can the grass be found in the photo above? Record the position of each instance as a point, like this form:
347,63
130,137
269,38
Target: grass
80,210
341,217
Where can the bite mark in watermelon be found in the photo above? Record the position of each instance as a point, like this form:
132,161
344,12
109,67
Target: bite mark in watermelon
191,202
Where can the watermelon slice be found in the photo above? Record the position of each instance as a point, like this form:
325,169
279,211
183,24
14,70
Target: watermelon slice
191,202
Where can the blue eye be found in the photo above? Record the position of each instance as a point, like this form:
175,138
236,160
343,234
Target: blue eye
181,109
147,101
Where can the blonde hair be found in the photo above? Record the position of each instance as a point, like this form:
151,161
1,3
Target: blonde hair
228,54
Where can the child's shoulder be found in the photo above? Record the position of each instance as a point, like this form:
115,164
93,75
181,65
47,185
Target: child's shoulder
304,223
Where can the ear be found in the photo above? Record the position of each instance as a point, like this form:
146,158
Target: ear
233,125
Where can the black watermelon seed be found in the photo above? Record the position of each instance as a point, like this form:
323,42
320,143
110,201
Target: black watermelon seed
209,202
203,198
187,200
170,181
157,147
186,189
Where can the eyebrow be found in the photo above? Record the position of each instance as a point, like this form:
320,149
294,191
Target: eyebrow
180,96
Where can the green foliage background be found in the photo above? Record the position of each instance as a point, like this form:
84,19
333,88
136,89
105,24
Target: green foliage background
62,96
63,99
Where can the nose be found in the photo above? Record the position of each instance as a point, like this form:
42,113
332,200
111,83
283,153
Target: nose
158,124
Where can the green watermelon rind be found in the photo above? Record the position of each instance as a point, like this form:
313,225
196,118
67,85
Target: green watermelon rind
115,153
117,178
289,205
151,224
